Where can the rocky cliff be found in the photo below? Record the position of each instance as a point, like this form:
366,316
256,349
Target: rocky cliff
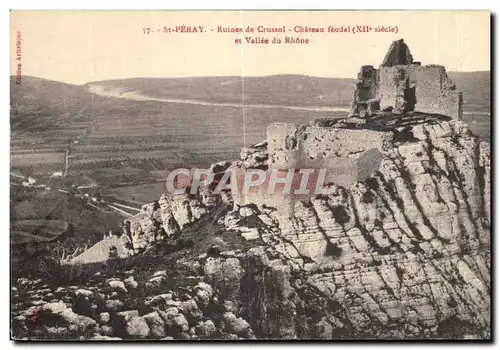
403,254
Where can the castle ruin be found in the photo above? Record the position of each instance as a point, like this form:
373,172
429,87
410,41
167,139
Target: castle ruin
401,85
386,101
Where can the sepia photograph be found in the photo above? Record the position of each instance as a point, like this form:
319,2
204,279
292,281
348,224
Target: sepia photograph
250,175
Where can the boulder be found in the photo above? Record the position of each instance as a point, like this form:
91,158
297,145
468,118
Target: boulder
156,324
156,281
206,329
205,287
234,324
83,323
180,322
128,315
160,273
184,336
130,283
83,293
114,304
55,308
137,328
158,300
168,315
106,330
202,298
118,286
228,306
104,317
190,309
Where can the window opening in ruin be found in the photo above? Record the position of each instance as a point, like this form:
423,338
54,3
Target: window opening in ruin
410,99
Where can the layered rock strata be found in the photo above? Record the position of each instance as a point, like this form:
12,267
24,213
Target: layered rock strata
399,254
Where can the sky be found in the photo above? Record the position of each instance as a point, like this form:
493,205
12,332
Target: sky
83,46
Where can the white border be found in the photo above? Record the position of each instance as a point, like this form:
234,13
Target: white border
193,5
256,4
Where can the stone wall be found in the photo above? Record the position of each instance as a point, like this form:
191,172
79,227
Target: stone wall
435,91
339,151
403,85
366,88
312,147
392,84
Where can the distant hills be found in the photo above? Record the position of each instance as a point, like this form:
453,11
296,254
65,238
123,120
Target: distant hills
277,89
39,103
44,103
476,86
274,89
297,90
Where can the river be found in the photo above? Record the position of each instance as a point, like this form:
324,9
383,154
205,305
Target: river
134,95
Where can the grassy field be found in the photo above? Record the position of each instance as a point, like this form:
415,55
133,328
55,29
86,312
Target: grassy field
145,193
148,137
38,230
39,208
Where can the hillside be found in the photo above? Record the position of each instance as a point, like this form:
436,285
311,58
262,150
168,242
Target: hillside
404,254
295,90
107,134
298,90
41,103
476,86
119,142
401,254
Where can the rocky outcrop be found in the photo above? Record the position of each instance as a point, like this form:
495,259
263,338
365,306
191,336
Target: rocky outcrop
429,196
168,217
255,157
401,254
193,310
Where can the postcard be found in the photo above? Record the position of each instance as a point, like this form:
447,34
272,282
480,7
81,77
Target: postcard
250,175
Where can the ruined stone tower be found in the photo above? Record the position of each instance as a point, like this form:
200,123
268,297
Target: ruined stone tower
402,85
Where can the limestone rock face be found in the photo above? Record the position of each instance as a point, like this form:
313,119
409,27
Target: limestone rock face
429,196
168,217
402,254
408,246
